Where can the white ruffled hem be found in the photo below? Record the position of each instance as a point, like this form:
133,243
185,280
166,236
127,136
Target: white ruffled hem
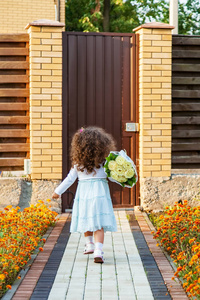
92,209
105,221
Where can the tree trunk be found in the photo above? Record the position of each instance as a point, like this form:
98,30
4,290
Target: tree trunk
97,7
106,16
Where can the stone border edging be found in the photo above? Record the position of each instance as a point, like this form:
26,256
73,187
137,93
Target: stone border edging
49,272
174,287
152,228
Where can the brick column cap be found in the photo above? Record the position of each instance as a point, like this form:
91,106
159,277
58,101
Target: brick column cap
45,22
154,25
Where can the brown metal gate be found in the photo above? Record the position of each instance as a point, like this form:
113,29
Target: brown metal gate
99,88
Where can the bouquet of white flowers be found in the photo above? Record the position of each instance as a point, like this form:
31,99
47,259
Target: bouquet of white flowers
121,169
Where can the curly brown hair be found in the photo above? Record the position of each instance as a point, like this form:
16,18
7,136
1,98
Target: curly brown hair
89,148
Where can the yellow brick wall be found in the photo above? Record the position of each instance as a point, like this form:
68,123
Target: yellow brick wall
16,14
62,11
46,102
155,49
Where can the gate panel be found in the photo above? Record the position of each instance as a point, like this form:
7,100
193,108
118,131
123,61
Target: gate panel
90,79
99,89
126,106
108,94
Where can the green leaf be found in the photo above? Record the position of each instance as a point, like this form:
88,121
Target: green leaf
108,172
113,156
131,181
106,165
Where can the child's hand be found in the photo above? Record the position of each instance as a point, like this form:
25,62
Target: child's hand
55,196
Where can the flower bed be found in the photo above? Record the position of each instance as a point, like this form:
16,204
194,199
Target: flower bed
178,232
20,234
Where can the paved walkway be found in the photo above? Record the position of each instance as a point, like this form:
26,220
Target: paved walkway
121,277
62,272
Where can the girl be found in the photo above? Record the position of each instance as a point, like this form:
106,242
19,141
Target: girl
92,210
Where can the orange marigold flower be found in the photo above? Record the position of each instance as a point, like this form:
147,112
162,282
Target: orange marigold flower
195,257
9,287
41,249
191,241
6,273
2,276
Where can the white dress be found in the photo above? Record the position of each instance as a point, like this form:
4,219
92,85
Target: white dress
92,208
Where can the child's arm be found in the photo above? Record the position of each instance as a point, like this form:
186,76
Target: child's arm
67,182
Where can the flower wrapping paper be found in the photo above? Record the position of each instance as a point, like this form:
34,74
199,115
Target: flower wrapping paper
120,168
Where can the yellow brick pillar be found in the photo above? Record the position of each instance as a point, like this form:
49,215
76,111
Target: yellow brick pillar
45,99
155,48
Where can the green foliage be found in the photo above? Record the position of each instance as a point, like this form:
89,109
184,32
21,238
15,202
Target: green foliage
92,22
189,17
131,181
152,10
80,16
125,15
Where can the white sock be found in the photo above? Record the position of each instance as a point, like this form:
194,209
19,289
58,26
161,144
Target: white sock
89,239
99,246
